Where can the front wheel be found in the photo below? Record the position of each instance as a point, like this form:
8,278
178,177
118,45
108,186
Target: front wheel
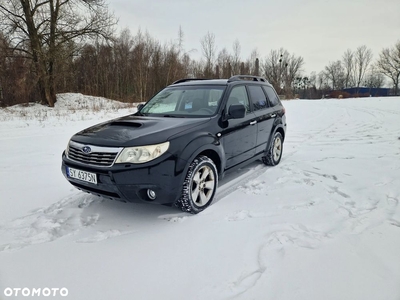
274,152
199,187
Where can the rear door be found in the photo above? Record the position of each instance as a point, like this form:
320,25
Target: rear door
265,116
239,135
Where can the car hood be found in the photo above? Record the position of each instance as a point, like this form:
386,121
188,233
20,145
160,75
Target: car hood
135,131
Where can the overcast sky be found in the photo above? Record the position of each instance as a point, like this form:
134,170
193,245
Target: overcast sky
318,30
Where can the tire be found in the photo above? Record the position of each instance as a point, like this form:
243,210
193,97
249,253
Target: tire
274,153
199,186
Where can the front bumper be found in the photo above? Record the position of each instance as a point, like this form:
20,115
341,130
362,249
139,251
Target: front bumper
129,182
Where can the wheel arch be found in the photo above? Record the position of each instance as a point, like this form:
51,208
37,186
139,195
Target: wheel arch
281,131
277,128
213,155
203,145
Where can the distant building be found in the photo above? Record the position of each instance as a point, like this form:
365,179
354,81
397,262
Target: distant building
365,91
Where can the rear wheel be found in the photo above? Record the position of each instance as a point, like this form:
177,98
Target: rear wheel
274,153
199,186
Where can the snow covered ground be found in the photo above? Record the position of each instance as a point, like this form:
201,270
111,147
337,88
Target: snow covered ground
324,224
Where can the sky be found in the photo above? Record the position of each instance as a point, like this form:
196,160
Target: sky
319,31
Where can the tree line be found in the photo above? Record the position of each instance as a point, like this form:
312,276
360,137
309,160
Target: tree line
54,46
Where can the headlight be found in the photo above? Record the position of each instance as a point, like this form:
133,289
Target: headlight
142,154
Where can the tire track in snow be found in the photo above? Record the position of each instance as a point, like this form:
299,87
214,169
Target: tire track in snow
360,216
276,242
231,183
61,219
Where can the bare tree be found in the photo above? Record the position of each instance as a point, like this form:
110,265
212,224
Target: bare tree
273,67
389,65
335,75
322,83
312,91
195,69
15,79
281,69
122,47
141,60
293,70
40,28
362,59
3,64
254,63
348,66
209,49
236,61
225,63
374,79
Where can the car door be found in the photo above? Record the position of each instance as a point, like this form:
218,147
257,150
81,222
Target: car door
265,116
239,135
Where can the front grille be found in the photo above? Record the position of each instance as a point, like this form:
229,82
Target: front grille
96,157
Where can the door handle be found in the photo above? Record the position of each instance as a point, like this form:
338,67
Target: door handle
253,123
273,115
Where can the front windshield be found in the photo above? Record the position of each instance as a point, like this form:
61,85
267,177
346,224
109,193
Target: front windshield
185,101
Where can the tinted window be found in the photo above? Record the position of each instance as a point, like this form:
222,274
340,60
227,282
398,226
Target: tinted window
258,97
238,96
272,96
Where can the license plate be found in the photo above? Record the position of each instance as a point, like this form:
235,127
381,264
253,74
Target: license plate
82,175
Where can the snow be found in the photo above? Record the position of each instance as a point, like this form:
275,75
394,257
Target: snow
323,224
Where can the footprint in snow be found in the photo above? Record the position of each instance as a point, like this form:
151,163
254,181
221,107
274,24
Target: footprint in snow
305,205
245,282
86,202
90,220
43,229
173,218
254,187
103,235
176,219
394,222
48,224
245,214
297,235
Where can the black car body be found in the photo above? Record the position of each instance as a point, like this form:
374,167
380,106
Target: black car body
203,126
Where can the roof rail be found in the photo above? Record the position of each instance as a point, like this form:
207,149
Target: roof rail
187,79
247,77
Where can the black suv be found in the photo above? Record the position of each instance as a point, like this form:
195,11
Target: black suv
177,145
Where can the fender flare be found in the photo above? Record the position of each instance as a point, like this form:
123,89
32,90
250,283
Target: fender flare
192,150
277,125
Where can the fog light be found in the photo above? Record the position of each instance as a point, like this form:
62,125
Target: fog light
151,194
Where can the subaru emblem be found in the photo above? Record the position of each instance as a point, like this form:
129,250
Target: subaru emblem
86,149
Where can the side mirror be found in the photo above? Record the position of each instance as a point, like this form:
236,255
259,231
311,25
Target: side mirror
236,111
140,106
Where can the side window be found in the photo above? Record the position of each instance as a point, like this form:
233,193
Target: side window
272,96
238,95
258,97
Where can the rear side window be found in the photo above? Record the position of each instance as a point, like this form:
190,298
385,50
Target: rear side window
272,96
258,97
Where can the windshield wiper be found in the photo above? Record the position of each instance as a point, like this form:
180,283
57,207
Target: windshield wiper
172,116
